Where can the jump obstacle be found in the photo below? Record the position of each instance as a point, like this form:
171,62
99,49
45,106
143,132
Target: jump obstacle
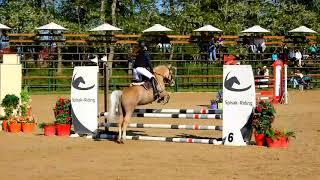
165,126
166,113
274,88
235,131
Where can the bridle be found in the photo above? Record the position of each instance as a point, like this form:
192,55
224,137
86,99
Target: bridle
167,80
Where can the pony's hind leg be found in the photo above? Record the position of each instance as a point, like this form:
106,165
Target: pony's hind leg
125,125
120,124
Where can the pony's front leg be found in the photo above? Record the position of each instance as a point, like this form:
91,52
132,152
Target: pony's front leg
164,97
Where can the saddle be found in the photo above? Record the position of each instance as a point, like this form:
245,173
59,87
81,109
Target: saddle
145,84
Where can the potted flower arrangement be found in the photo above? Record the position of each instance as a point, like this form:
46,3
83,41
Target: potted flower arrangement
10,103
217,102
277,139
62,112
262,119
28,121
28,124
14,124
49,129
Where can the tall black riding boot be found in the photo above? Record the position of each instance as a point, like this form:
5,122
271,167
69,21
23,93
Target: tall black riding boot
154,87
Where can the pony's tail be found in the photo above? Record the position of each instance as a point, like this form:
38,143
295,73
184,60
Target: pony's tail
115,105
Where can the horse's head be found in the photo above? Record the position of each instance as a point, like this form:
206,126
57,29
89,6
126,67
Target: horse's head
166,71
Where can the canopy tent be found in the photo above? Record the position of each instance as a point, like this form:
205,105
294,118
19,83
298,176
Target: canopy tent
157,28
255,29
4,27
208,28
106,27
302,29
52,26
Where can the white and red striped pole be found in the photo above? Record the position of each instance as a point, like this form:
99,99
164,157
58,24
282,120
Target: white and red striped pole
277,73
285,84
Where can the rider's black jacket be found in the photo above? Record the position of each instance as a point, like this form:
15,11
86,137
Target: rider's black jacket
142,60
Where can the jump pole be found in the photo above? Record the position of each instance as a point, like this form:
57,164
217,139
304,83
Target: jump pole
169,115
285,84
163,139
173,111
180,111
166,126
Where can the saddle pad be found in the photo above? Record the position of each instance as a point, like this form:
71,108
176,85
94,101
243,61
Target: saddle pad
137,84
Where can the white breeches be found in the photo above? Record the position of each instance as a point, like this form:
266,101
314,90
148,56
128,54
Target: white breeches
140,71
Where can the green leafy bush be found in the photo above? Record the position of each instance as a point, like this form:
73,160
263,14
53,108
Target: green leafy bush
10,103
263,117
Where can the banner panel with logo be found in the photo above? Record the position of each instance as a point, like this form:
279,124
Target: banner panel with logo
239,99
84,99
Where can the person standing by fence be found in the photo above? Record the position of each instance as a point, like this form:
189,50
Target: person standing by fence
212,50
299,57
313,49
4,42
274,56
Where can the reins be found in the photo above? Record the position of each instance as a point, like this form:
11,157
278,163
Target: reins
165,78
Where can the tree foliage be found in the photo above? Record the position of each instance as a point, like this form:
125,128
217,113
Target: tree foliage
181,15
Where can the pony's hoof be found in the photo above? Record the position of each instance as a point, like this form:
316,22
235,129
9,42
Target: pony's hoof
164,102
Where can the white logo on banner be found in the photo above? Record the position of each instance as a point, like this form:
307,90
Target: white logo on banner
84,98
238,102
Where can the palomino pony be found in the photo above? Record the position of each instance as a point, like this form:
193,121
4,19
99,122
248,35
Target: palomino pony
124,102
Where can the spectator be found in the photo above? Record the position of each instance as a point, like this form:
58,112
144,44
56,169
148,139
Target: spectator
253,47
265,71
297,79
305,55
220,43
259,71
260,75
212,50
165,44
4,40
313,49
260,44
298,57
285,53
292,55
274,56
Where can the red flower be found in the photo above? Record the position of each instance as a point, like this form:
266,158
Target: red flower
61,111
61,100
68,118
259,109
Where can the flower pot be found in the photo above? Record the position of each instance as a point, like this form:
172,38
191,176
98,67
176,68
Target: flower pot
260,139
284,142
49,130
15,127
28,127
63,129
276,143
214,106
5,125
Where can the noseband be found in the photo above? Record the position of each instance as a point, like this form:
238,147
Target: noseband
166,80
